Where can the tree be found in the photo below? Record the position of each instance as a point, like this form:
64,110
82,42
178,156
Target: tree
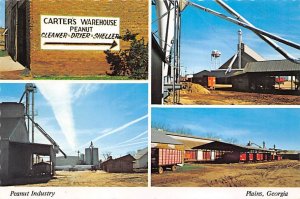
231,140
132,62
184,131
160,125
106,155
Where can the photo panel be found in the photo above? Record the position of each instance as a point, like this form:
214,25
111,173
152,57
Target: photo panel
81,40
225,52
225,147
73,134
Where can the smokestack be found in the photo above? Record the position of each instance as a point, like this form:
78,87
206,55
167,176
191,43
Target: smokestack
264,144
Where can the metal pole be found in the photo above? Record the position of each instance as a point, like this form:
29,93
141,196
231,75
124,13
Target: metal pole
174,47
32,112
178,52
16,34
254,29
240,48
266,39
27,109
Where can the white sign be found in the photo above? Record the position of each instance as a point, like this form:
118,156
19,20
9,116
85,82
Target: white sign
80,33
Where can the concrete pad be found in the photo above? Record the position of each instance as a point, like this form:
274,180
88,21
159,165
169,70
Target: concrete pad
8,64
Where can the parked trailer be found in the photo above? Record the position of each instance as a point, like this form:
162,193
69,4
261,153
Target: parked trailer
278,157
250,157
258,157
190,155
206,155
161,159
206,81
243,157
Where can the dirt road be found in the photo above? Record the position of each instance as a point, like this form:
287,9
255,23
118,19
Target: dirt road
227,97
285,173
96,179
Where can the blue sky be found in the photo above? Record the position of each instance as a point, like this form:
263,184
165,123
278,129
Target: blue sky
114,116
203,32
2,13
277,126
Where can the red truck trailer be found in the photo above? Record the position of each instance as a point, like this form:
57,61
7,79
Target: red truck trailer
190,155
243,157
162,159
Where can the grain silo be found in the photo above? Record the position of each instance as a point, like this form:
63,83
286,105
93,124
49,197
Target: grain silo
91,155
20,159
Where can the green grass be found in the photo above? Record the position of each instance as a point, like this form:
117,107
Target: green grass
97,77
188,167
3,53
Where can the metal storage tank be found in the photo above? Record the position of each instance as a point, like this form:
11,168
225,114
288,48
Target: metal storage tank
81,157
12,122
91,155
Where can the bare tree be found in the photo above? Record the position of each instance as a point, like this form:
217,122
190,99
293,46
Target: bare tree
184,131
160,125
212,135
232,140
106,154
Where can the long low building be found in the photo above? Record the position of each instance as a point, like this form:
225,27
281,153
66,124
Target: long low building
199,149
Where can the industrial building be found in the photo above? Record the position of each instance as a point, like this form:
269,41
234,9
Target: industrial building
70,37
16,150
166,54
70,161
87,161
290,154
224,73
23,161
123,164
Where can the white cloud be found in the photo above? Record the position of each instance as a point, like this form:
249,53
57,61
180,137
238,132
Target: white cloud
124,145
59,96
84,90
116,130
134,138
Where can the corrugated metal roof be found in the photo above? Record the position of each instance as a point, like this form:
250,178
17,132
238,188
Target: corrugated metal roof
158,136
188,145
252,53
290,152
271,66
248,55
189,136
220,145
219,73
